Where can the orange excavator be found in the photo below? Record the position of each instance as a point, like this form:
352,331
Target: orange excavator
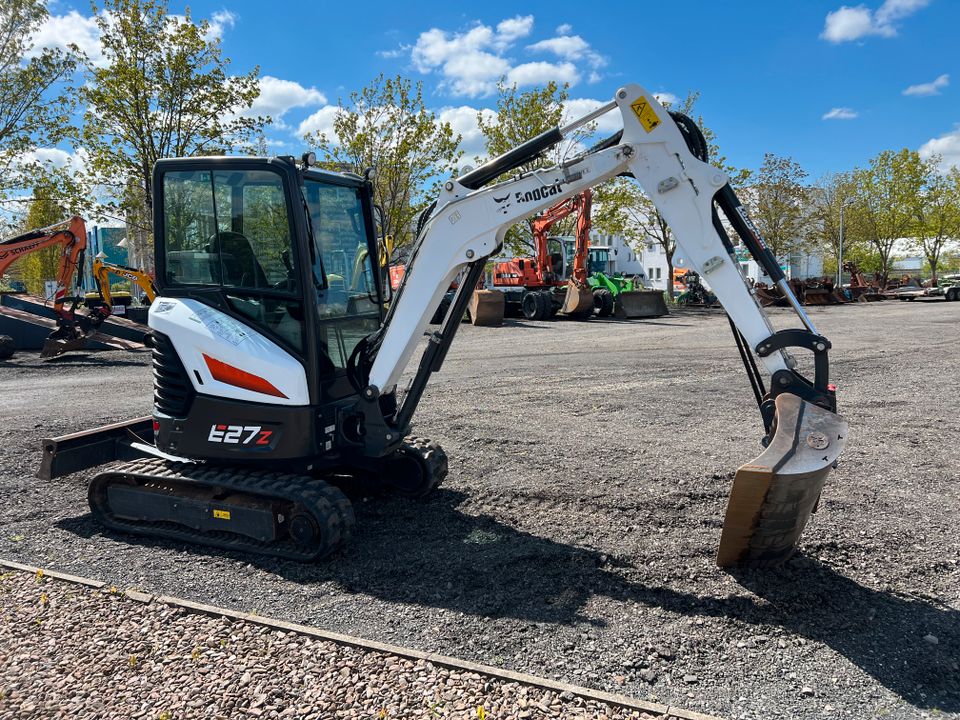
551,282
73,328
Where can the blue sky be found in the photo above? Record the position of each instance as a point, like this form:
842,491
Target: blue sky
829,85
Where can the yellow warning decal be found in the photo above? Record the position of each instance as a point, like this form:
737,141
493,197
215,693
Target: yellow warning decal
645,114
222,514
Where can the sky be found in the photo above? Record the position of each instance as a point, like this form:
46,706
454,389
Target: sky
830,85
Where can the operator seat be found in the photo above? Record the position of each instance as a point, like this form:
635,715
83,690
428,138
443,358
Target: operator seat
240,265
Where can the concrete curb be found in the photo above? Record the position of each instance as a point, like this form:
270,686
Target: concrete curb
666,712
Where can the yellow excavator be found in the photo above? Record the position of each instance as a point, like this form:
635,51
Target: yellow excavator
104,296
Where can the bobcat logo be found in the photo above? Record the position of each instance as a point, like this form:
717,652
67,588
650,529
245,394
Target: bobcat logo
503,204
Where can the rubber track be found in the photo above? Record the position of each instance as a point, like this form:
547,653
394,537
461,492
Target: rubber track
433,458
329,506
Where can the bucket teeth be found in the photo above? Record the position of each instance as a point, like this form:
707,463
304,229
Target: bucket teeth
773,496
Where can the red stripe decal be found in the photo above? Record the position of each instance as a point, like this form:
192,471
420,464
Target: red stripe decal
240,378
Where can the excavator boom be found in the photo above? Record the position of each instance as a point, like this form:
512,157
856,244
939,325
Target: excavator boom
666,154
71,234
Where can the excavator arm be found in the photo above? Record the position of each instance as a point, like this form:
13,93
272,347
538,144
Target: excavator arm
541,227
773,496
101,275
71,235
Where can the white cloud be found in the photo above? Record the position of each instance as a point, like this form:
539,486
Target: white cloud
566,46
564,29
840,113
853,23
220,20
60,31
666,98
947,146
570,47
393,54
514,28
540,73
463,120
320,121
469,62
930,88
77,162
277,96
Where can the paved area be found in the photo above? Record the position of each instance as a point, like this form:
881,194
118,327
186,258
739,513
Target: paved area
575,536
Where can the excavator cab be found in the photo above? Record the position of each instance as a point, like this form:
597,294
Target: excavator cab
266,242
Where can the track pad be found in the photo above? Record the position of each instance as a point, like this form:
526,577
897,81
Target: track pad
773,496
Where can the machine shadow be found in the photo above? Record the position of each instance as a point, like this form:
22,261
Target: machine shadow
430,553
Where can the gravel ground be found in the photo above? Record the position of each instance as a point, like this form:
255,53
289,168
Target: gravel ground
73,652
575,537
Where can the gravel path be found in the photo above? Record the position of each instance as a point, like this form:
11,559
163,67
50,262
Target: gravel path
73,652
575,537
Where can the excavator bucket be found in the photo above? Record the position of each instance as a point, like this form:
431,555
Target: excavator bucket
639,304
486,307
63,340
773,496
579,299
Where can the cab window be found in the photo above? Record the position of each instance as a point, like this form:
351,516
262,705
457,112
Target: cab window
231,229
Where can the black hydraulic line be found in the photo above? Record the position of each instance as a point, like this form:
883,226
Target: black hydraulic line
728,201
433,357
510,160
749,364
722,232
608,143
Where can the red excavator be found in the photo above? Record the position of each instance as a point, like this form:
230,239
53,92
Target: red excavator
73,328
556,279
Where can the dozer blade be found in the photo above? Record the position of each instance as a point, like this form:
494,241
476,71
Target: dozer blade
578,300
486,307
773,496
639,304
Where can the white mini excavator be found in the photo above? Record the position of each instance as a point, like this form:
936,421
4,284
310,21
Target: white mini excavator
277,356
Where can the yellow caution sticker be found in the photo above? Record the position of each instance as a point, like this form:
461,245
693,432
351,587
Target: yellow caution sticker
222,514
645,114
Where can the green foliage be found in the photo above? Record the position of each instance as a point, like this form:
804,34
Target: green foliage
164,91
520,117
884,204
386,126
777,203
621,206
35,268
32,112
936,209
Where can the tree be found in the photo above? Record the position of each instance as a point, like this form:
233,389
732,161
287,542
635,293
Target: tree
520,117
777,201
164,91
827,196
31,112
884,208
937,213
623,208
386,126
